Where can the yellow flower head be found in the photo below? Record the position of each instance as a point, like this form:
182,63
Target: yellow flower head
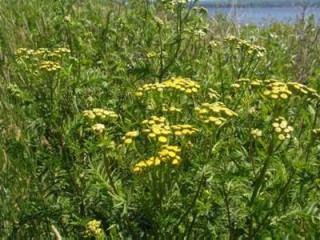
281,127
256,133
215,113
166,154
303,90
99,113
184,129
98,127
132,134
185,85
93,229
129,136
162,139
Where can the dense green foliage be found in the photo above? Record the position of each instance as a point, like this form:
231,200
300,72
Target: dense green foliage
150,121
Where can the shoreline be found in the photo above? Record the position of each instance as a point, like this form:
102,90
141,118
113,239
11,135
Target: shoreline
229,5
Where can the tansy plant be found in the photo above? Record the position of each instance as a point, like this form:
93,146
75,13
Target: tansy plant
149,120
250,135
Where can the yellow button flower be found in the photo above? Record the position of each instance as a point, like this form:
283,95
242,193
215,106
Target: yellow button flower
281,137
178,133
152,135
128,141
162,139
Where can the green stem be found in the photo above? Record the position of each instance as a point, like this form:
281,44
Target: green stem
220,77
244,69
161,54
106,161
201,184
154,182
281,194
194,217
251,157
308,149
230,223
313,126
259,181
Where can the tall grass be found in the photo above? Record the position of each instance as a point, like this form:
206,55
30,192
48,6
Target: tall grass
149,120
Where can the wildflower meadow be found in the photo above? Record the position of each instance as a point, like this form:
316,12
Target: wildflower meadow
152,120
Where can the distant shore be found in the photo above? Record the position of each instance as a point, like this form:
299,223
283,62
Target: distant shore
252,5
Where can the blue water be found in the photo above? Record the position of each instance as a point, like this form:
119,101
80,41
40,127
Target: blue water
265,15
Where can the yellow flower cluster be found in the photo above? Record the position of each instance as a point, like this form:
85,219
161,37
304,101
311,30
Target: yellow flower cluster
281,127
214,44
170,5
149,87
255,83
98,127
166,153
152,161
44,58
256,133
93,229
99,113
303,90
128,138
240,82
169,153
235,85
244,82
185,85
154,120
62,50
316,131
277,90
214,113
156,128
183,129
213,94
166,108
42,51
31,52
151,54
182,84
232,39
50,66
247,46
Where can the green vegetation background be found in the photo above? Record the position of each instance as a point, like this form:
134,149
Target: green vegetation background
248,169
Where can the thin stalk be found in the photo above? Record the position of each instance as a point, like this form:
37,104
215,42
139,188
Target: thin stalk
313,126
194,217
262,174
201,184
251,157
108,171
220,77
281,194
161,54
154,182
258,183
253,69
308,149
232,62
244,69
230,223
